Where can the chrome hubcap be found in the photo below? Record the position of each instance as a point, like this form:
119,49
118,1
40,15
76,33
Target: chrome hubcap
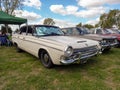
46,58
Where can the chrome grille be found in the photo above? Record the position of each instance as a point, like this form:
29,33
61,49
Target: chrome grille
88,51
110,41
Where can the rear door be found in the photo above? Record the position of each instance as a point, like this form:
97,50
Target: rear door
21,37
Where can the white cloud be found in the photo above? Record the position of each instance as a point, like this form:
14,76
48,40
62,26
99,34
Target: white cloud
90,3
91,12
31,16
63,23
73,10
59,23
37,22
93,22
60,9
33,3
96,3
113,1
92,8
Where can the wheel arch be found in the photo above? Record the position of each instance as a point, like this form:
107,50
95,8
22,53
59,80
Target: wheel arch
53,53
40,51
50,64
14,43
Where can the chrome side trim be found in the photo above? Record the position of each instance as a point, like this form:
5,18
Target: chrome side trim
41,44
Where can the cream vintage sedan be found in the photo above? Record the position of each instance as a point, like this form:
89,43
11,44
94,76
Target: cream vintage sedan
50,45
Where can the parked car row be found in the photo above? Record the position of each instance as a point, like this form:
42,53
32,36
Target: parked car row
55,46
106,42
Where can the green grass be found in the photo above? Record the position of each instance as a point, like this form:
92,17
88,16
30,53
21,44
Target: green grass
22,71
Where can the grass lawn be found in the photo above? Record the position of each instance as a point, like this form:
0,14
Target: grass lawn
22,71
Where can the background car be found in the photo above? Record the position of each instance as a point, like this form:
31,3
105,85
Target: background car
105,41
107,32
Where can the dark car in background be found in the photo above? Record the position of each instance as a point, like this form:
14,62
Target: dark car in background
106,42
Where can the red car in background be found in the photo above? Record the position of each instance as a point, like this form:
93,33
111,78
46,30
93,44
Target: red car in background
107,32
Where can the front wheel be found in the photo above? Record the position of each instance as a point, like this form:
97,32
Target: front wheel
46,60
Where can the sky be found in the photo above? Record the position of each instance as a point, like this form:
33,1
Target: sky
66,13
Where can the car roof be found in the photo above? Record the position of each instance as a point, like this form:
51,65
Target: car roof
69,27
40,25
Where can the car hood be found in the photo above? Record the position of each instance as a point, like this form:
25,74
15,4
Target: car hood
92,36
111,35
75,42
96,36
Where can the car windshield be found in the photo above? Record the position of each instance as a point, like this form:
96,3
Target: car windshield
108,31
48,31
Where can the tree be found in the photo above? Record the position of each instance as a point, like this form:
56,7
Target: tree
97,25
88,26
107,20
103,19
79,25
48,21
9,6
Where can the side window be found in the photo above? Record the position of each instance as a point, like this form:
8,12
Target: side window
75,31
64,31
98,31
69,32
30,31
23,30
80,30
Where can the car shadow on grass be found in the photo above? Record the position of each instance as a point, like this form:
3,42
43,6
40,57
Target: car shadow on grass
91,62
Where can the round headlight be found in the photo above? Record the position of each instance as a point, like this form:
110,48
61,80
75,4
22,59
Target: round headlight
68,51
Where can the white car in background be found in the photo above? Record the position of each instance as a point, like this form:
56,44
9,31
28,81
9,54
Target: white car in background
50,45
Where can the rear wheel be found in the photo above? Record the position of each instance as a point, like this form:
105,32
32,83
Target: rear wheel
46,60
17,48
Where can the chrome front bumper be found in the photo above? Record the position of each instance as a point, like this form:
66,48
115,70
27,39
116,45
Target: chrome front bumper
73,60
114,44
79,56
110,45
